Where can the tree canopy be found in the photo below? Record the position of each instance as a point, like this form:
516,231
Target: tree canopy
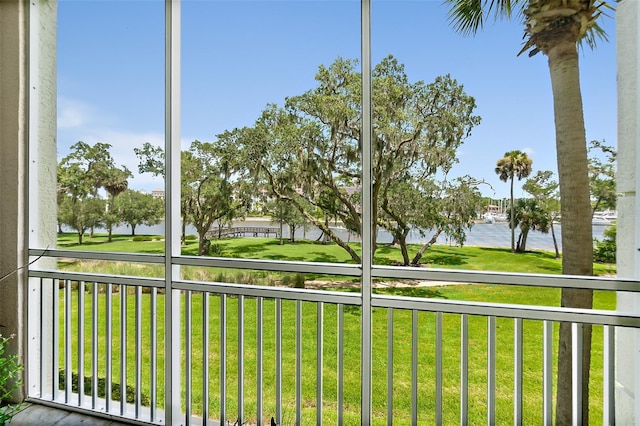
308,152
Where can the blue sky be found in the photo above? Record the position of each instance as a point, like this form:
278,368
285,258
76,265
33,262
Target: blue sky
237,56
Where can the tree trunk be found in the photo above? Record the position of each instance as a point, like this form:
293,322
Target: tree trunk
512,220
577,244
402,240
432,241
522,241
555,241
133,229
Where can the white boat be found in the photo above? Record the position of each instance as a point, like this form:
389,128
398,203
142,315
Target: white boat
599,219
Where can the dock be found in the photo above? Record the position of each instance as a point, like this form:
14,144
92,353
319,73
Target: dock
243,231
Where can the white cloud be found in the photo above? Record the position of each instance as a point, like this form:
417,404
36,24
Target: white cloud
73,113
529,151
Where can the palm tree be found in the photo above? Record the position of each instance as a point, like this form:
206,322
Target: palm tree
115,184
555,28
513,164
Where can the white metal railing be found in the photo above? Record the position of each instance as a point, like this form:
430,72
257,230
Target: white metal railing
102,332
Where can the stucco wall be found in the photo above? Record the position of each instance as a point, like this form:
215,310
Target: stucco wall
13,152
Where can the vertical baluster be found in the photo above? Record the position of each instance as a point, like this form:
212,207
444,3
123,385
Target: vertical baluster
205,358
609,375
414,367
138,367
390,366
108,345
576,374
547,372
279,361
67,341
240,417
42,331
319,360
517,371
438,368
187,349
298,362
491,371
259,358
340,364
123,349
223,358
464,369
153,308
94,346
55,340
80,342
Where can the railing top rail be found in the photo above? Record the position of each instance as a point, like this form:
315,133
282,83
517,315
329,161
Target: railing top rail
286,293
99,255
551,313
508,278
99,278
355,270
272,265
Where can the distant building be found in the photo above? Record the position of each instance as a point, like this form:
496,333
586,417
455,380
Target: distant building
158,193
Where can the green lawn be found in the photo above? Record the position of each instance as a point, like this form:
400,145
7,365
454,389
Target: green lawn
440,257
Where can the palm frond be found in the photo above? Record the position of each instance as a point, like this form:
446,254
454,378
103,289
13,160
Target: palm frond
469,16
596,32
466,16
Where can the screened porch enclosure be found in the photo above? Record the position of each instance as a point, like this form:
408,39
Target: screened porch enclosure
175,346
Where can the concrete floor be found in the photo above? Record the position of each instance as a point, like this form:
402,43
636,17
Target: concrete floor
41,415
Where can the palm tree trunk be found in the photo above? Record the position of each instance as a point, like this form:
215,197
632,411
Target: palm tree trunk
577,245
555,241
512,218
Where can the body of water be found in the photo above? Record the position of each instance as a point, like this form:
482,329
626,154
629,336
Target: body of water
495,234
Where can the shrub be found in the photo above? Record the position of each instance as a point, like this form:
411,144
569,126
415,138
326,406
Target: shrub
10,379
215,250
102,386
605,250
295,281
190,237
143,238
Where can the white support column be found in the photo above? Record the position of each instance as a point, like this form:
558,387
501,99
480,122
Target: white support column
628,180
173,410
42,166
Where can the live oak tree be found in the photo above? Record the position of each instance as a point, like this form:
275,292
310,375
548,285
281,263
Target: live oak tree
545,190
431,208
308,152
555,28
212,188
602,175
115,184
209,182
283,213
81,174
136,208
